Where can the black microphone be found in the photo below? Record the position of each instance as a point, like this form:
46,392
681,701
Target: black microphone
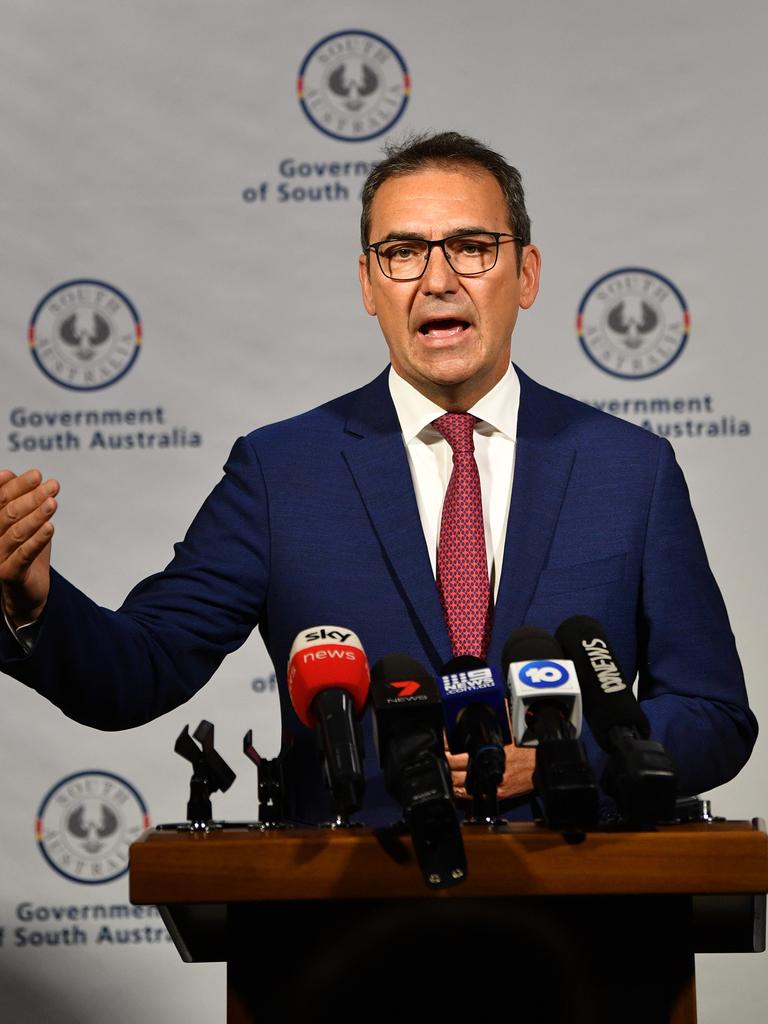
546,714
639,775
408,733
477,724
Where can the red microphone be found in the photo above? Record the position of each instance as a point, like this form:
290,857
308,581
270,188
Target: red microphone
328,682
323,657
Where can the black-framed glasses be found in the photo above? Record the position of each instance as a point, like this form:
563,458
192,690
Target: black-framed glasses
469,253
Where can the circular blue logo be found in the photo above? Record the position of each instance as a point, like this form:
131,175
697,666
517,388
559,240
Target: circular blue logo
86,823
544,675
84,334
633,323
353,85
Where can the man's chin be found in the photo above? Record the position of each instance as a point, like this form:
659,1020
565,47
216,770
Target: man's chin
445,386
456,383
449,370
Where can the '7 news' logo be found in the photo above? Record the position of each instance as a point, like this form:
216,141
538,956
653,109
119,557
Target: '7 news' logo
543,675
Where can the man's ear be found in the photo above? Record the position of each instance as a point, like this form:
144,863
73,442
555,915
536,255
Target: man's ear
530,270
363,272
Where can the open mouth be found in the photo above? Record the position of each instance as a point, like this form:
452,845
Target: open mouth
443,328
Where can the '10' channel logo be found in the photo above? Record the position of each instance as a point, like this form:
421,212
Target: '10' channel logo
543,675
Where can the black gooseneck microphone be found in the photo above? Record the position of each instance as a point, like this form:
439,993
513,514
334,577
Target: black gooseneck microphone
477,723
408,732
639,775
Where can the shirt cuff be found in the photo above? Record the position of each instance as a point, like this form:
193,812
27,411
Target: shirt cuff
26,635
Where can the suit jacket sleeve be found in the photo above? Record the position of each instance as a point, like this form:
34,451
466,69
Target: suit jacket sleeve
114,670
690,677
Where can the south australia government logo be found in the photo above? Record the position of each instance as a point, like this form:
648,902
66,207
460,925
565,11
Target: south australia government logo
353,85
86,823
633,323
85,334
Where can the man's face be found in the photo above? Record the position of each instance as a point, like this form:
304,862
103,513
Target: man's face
448,336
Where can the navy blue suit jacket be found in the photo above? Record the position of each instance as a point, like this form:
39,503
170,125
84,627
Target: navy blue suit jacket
315,521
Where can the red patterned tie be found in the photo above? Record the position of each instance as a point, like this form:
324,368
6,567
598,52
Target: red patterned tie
462,564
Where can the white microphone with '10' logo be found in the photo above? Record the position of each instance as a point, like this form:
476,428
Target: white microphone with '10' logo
546,714
538,681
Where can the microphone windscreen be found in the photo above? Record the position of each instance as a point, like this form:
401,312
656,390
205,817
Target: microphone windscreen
529,643
608,698
466,680
322,658
401,668
404,698
462,663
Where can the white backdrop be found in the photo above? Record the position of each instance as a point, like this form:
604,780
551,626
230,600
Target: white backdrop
161,149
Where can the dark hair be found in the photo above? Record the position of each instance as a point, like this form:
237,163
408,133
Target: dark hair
447,149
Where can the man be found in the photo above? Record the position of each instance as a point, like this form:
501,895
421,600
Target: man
353,513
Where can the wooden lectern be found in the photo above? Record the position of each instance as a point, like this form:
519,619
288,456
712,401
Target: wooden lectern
611,918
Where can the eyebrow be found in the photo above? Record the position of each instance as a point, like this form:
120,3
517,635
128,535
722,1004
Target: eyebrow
400,236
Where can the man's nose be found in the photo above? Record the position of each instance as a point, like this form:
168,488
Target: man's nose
439,277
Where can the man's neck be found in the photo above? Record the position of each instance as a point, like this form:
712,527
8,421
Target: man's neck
498,408
459,397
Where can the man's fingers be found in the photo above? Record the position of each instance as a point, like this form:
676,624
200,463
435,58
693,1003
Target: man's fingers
18,509
19,499
36,544
12,486
13,568
26,506
19,533
457,762
518,777
458,765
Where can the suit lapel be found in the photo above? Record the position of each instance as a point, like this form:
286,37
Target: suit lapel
379,465
542,470
541,477
377,460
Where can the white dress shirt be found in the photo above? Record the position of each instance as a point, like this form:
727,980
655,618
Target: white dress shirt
431,460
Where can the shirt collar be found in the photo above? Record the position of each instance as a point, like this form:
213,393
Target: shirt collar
498,409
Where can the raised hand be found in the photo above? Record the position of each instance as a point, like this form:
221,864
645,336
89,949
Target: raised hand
26,506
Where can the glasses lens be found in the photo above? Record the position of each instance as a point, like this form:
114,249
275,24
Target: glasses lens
471,254
403,259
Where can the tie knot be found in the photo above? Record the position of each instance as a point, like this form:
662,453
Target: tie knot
458,430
